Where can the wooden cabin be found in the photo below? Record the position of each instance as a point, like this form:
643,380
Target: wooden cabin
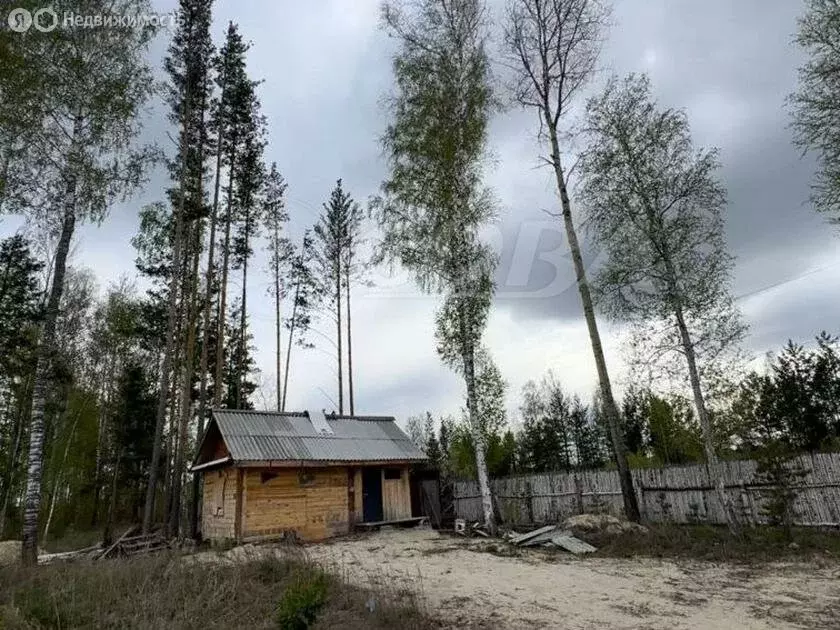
271,474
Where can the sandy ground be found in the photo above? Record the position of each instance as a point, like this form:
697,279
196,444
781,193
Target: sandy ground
464,584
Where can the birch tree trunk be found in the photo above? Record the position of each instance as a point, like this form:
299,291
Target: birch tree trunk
43,375
628,492
468,352
59,475
712,463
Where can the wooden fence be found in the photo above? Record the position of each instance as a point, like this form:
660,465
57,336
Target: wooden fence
679,494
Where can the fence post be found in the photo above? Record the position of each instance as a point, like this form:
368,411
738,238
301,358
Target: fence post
643,492
579,494
529,498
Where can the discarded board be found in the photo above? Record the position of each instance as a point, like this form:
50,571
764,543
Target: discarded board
537,532
547,537
570,543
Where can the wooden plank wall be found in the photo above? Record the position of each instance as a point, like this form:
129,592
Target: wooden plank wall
396,497
679,494
218,514
281,503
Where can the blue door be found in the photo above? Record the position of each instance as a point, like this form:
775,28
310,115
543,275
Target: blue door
372,494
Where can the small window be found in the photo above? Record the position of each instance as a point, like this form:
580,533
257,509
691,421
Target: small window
306,478
393,473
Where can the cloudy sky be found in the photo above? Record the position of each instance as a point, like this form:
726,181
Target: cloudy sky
326,66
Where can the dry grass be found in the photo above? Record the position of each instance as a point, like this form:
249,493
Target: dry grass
164,591
706,542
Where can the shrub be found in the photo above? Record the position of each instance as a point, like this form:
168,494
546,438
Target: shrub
302,600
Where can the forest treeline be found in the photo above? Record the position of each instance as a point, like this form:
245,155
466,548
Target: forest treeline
104,396
794,400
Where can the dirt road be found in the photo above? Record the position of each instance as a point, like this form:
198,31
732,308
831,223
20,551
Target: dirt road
470,587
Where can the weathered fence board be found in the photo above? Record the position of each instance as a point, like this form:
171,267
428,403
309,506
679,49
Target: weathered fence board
678,494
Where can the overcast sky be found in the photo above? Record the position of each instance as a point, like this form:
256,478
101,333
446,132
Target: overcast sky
326,66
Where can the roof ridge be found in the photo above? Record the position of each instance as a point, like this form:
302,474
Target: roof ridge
264,412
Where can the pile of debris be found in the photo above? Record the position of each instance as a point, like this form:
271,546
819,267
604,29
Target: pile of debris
550,536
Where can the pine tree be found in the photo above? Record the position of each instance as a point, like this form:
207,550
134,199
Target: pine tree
330,252
305,298
187,65
281,254
240,123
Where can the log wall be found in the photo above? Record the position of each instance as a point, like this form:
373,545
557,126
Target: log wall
678,494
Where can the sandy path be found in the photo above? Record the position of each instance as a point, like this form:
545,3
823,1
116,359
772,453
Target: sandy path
472,588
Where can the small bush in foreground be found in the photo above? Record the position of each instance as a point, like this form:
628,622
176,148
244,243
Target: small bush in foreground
302,600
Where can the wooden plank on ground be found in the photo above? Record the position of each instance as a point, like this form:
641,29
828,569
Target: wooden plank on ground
575,545
525,537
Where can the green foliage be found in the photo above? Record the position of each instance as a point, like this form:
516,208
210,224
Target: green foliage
655,205
816,105
302,600
797,401
239,386
674,434
559,432
777,468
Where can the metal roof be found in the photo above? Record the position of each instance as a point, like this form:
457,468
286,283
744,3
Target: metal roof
291,436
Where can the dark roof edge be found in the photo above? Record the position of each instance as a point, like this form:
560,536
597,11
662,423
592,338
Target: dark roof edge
264,412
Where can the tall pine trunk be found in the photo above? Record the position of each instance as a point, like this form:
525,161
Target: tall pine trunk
243,318
628,492
338,332
349,345
205,322
191,300
289,345
43,375
222,308
278,322
171,321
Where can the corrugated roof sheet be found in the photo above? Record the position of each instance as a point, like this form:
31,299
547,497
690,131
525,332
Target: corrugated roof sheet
272,436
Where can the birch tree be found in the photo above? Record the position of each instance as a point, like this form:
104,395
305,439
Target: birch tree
655,206
79,141
552,48
816,105
434,203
